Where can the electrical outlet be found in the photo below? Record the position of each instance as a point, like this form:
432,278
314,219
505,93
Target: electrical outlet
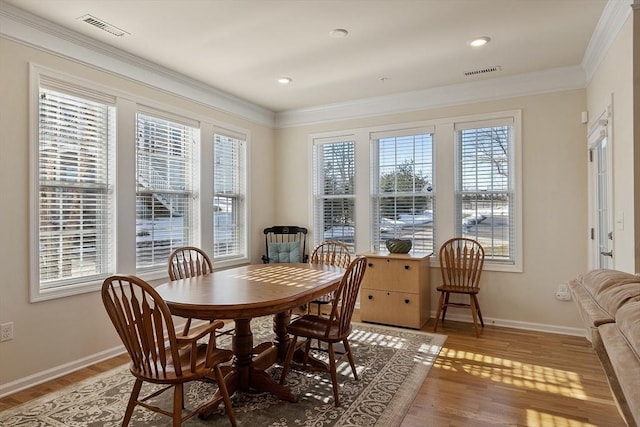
563,296
6,331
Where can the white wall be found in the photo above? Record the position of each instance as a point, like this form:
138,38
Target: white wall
554,171
612,85
59,334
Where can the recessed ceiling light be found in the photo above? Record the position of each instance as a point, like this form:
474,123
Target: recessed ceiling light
285,80
339,33
480,41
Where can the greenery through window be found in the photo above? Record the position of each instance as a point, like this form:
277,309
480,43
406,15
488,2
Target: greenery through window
402,190
334,193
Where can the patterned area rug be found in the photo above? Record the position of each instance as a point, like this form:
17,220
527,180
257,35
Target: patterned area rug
392,364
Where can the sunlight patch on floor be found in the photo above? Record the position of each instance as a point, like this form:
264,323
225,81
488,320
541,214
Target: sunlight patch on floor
512,372
543,419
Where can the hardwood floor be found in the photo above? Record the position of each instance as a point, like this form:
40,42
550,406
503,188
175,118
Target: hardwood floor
512,377
506,377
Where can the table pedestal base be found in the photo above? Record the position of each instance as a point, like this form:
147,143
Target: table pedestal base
247,374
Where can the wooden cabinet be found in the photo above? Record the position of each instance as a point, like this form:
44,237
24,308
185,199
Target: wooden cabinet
395,289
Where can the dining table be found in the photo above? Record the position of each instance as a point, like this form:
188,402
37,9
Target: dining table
241,294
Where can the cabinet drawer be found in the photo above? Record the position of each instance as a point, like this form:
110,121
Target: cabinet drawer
397,275
391,308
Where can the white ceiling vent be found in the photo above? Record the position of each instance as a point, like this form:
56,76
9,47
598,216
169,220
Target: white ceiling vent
104,26
487,70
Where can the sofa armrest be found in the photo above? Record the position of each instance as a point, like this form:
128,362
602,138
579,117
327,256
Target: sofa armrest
618,348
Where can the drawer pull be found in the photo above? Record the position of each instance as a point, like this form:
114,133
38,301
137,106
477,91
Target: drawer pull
370,264
406,267
406,301
370,296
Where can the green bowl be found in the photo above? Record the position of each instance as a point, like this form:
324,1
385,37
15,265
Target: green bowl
398,246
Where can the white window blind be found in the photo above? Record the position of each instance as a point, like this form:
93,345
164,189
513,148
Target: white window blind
485,188
334,192
402,188
164,188
76,138
229,208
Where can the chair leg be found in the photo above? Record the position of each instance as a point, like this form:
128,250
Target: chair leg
347,348
287,360
334,375
474,313
307,349
440,302
225,396
475,298
177,405
445,305
132,402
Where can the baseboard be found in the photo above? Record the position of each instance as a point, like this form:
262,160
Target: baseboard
58,371
67,368
515,324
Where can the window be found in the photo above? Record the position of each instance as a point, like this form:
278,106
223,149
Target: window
75,188
485,187
229,209
84,176
333,190
471,163
402,188
164,188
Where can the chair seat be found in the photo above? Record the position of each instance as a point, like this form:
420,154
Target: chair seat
169,374
458,290
312,326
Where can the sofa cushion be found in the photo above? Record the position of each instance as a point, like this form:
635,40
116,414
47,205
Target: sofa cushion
614,298
600,293
597,281
618,347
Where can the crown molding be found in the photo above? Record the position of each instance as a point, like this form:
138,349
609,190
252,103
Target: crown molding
553,80
31,30
613,17
23,27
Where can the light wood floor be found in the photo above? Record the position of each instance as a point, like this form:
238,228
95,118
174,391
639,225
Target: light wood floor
506,377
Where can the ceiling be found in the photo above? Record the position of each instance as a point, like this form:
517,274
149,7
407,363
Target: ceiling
394,46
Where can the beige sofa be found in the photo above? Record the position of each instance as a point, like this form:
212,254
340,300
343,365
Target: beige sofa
609,304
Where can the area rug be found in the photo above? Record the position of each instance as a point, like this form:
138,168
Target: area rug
392,364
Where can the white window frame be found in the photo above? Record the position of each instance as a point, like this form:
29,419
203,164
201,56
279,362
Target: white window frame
510,159
162,191
413,226
84,283
238,196
444,164
343,232
123,162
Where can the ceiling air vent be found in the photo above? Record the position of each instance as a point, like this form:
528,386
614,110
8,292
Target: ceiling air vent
487,70
104,26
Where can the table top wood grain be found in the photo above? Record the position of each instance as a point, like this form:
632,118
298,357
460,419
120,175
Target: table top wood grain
249,291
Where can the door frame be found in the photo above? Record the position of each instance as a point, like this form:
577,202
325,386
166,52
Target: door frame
599,228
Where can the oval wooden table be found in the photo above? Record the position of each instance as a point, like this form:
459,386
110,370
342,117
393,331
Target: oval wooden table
246,292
